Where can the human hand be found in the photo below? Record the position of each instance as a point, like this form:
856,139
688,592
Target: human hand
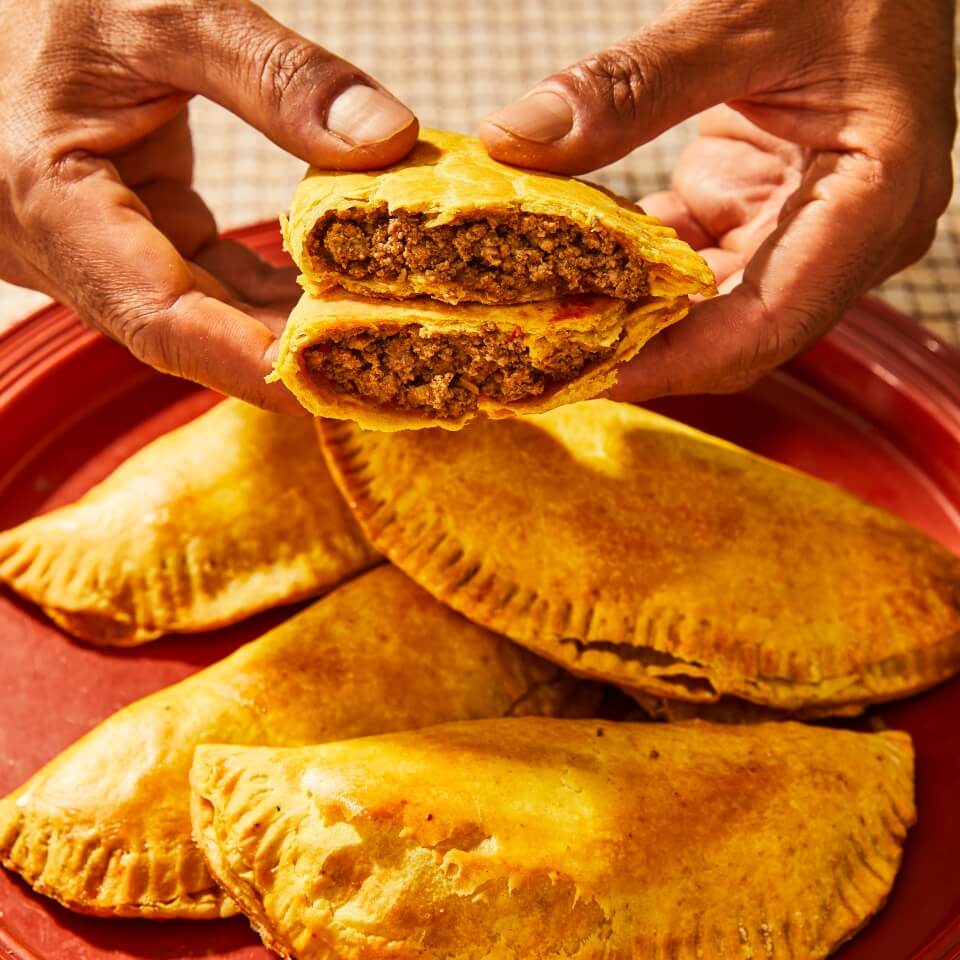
824,173
96,166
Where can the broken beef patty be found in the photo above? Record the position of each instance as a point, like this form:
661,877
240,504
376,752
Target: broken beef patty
444,374
494,258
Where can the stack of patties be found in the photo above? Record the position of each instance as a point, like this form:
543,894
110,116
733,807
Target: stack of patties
450,284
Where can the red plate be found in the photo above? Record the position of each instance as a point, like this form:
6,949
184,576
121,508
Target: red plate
874,408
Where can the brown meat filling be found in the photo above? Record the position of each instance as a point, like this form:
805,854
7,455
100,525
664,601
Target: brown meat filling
497,259
441,375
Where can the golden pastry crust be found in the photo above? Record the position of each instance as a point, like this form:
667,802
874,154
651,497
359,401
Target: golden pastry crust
208,524
634,549
618,329
549,838
105,828
449,178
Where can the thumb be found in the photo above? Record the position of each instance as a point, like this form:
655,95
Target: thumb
599,109
307,100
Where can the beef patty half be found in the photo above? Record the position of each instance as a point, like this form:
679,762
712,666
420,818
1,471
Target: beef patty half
443,374
493,258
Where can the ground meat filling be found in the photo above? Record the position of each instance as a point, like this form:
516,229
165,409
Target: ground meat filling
498,258
441,375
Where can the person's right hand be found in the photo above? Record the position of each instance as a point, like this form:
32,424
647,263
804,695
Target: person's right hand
822,164
96,165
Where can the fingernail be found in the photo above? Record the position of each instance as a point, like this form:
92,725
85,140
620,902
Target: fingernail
541,117
363,115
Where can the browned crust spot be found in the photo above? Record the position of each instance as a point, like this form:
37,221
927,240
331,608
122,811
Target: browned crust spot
444,375
499,257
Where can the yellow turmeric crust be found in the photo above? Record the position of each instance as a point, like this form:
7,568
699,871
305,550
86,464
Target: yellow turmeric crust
634,549
528,839
228,515
105,827
449,179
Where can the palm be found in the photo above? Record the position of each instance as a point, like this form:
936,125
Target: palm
763,211
728,190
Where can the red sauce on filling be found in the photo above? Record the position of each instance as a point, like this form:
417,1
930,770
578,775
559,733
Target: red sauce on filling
572,308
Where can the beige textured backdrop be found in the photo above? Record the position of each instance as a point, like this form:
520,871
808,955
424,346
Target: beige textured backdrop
453,63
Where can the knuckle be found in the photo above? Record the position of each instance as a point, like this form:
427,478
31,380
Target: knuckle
27,191
786,337
139,335
774,339
40,203
283,63
33,202
626,76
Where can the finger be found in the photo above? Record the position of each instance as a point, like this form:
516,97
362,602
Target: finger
601,108
670,208
735,187
124,276
306,99
796,285
273,316
180,213
163,154
729,124
251,278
